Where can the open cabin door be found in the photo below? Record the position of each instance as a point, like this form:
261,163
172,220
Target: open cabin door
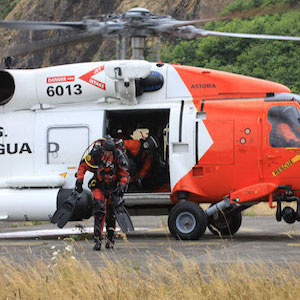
134,126
188,141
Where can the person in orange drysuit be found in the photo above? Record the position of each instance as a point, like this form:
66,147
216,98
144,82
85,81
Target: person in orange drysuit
125,133
284,131
140,156
111,175
285,126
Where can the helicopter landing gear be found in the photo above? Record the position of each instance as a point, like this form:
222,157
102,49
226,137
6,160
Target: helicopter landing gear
288,214
225,222
187,221
224,218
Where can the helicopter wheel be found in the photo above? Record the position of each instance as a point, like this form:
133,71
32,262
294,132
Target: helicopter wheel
187,221
225,223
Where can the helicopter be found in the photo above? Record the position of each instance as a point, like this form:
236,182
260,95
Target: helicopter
217,131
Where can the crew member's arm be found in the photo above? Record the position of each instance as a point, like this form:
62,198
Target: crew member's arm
83,167
133,146
144,170
123,174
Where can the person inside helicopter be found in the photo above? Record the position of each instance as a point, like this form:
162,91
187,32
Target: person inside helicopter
285,126
148,167
125,133
141,156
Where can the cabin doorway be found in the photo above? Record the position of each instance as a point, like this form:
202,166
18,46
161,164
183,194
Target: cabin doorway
138,125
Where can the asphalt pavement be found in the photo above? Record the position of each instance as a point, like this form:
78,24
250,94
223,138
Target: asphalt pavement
260,239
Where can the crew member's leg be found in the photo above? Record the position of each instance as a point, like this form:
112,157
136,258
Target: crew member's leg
110,226
99,215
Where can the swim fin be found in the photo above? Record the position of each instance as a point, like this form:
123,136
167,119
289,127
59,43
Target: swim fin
123,218
121,213
64,213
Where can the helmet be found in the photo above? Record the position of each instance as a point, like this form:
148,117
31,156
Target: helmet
109,145
150,143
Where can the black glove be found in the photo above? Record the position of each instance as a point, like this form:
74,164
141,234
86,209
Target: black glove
78,185
117,201
119,191
117,196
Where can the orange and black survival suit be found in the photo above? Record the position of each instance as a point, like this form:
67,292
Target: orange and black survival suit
140,161
142,156
110,167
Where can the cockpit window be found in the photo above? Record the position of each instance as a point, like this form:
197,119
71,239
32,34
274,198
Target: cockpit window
285,121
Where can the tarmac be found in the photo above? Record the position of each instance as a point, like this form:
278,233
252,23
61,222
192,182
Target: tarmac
260,239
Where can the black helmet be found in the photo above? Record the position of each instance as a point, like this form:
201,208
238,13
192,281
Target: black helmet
109,145
150,143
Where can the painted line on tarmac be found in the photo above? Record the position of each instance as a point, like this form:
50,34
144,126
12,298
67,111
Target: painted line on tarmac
158,229
291,233
54,232
294,244
21,243
245,229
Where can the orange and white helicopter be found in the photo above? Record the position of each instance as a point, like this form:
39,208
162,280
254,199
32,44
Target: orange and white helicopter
219,133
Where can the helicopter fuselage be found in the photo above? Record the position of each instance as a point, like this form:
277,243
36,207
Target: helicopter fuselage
215,131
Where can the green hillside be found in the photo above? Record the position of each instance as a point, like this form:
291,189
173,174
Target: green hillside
278,61
6,6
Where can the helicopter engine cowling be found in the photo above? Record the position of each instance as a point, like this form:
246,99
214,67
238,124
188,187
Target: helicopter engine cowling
69,84
7,87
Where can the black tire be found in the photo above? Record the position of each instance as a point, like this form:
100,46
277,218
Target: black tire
226,223
193,215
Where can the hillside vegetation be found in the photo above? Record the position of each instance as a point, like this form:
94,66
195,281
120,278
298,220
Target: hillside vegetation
6,6
273,60
75,10
278,61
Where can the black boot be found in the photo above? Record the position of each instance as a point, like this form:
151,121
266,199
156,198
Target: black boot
110,227
110,244
97,246
110,240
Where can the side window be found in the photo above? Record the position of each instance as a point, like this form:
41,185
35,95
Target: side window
65,145
285,121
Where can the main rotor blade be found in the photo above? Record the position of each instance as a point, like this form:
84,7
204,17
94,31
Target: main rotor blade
250,36
179,23
37,25
191,32
168,25
22,49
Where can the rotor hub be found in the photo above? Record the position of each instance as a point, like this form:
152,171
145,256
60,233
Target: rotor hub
136,13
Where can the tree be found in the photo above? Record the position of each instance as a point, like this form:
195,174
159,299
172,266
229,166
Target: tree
273,60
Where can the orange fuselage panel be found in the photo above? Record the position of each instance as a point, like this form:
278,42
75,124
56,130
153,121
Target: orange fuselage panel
206,83
241,155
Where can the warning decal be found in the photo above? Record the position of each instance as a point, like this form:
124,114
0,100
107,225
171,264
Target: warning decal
88,78
58,79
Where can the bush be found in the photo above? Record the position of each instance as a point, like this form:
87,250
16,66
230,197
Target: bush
272,60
